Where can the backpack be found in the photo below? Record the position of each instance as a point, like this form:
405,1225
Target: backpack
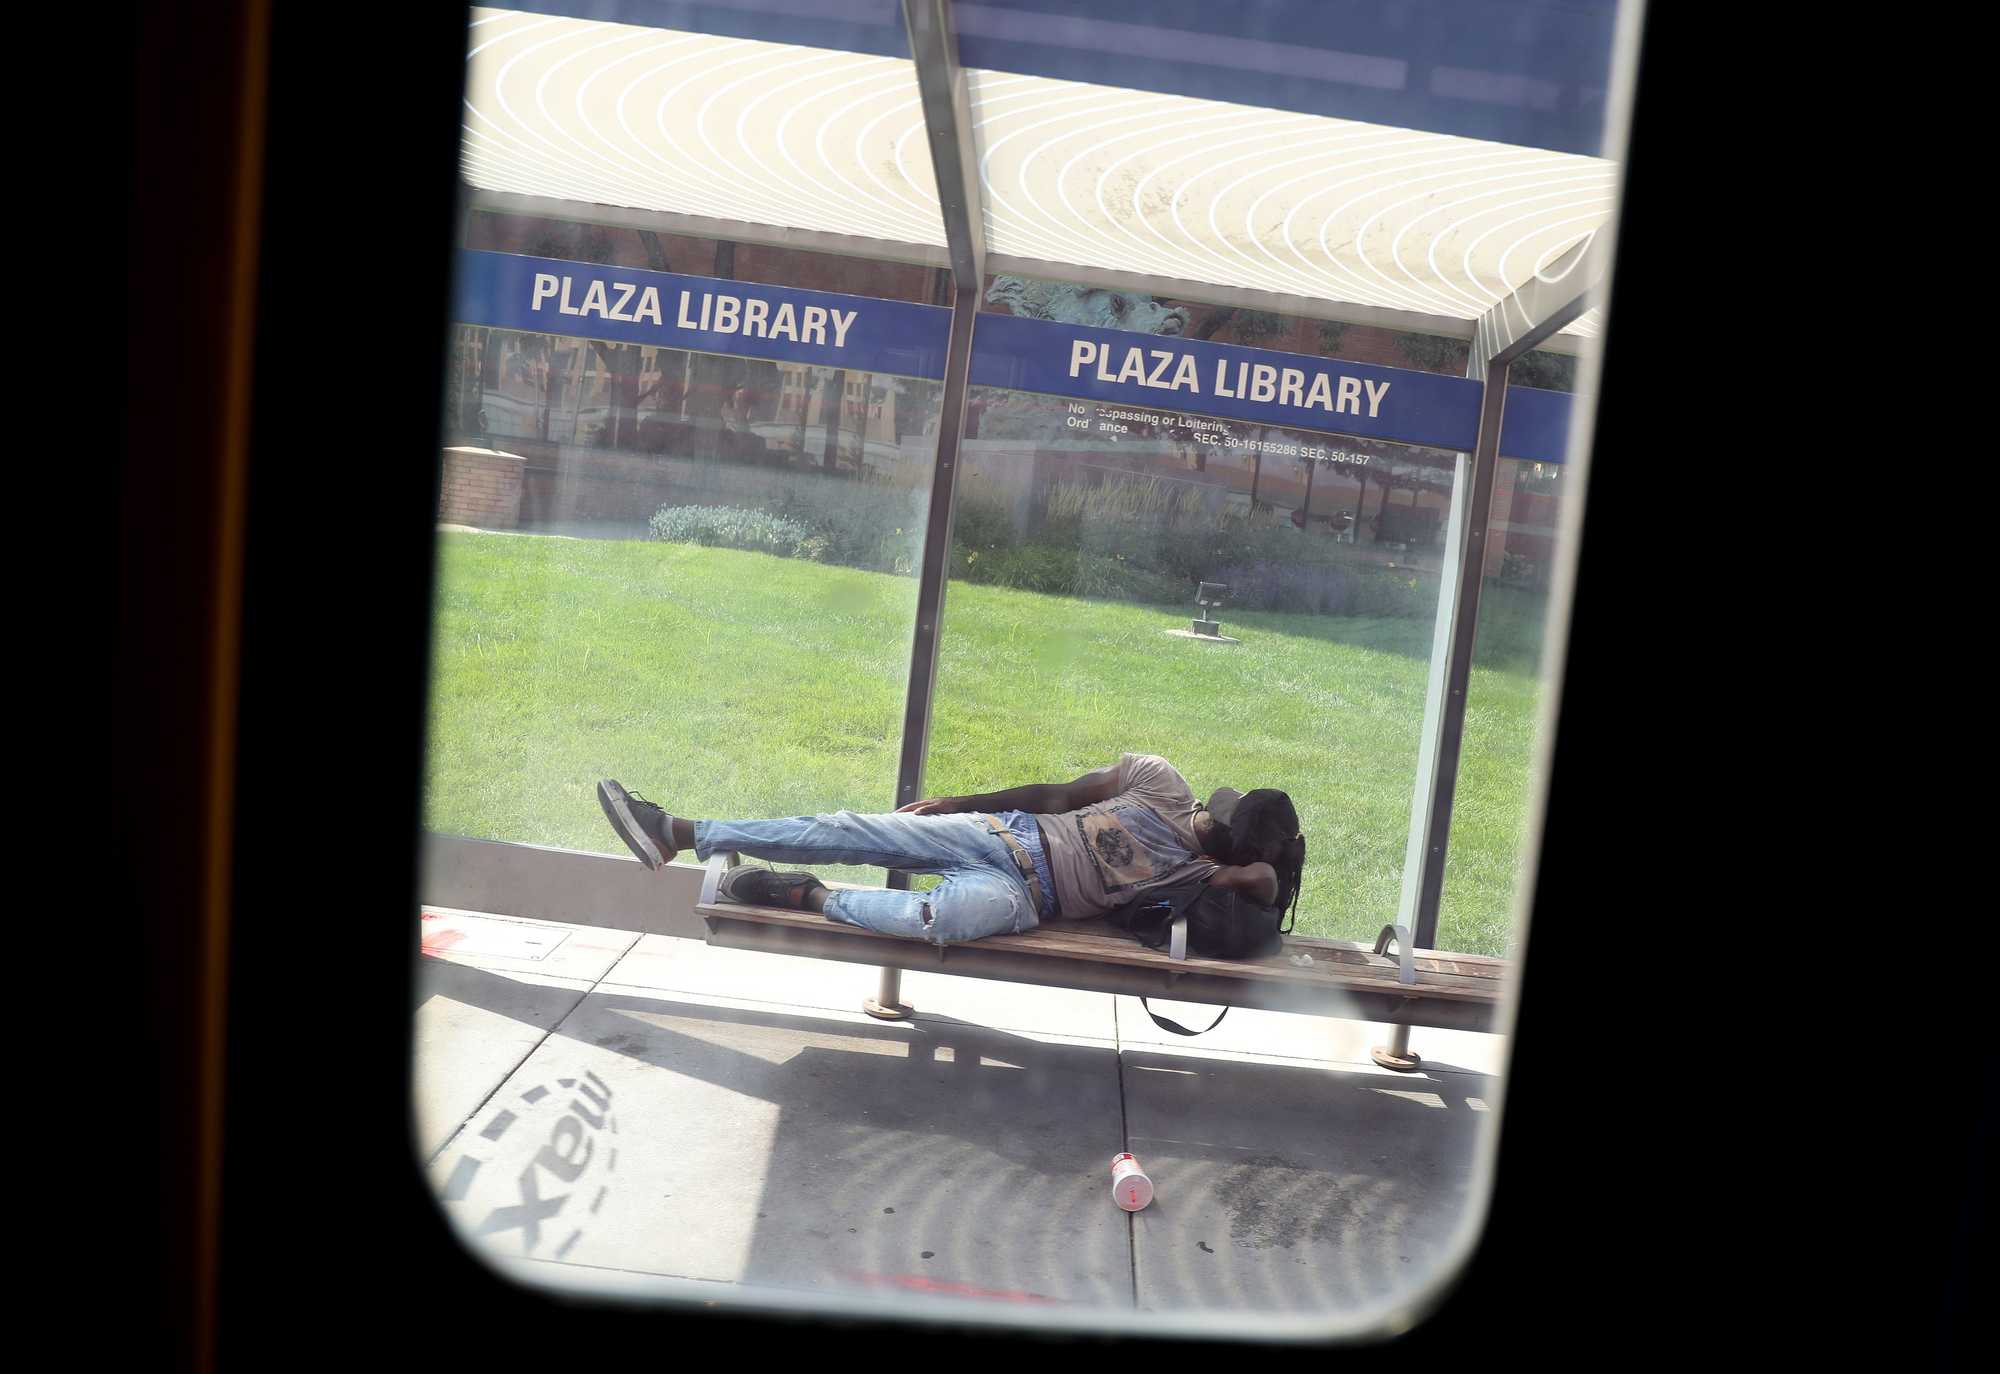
1220,925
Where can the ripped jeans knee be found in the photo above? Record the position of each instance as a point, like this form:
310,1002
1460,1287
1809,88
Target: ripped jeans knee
965,906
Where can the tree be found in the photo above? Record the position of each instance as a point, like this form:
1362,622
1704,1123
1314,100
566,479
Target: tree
458,403
806,378
1537,367
1250,327
1213,321
1549,371
622,361
1432,354
590,243
575,243
712,379
1247,326
830,416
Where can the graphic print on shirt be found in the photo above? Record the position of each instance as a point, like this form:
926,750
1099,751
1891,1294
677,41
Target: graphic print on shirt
1129,845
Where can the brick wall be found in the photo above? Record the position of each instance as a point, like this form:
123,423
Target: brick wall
572,484
481,487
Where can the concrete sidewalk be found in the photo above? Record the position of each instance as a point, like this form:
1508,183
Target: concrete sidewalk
617,1106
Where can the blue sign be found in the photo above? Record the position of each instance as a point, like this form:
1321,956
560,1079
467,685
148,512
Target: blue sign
701,314
1535,424
1160,372
1260,385
1165,372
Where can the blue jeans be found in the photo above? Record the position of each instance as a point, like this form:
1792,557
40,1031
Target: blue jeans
982,893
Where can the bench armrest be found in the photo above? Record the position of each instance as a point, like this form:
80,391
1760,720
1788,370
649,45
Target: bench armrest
1406,968
718,864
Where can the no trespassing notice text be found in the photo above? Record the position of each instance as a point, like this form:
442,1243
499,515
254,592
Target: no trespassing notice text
1112,423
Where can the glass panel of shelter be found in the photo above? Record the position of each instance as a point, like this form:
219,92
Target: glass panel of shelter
555,660
663,639
1502,717
1083,533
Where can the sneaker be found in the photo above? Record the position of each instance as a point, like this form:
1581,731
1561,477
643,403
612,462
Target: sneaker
748,886
647,830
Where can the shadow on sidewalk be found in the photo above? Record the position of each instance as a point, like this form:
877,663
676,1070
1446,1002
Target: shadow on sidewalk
943,1157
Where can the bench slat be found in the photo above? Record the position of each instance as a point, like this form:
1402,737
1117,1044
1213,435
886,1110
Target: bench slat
1122,949
1338,966
1426,960
1323,952
1353,998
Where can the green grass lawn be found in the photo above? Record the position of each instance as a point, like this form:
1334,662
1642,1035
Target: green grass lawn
722,683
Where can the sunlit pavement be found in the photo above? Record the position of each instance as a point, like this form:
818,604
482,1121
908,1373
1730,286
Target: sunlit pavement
621,1104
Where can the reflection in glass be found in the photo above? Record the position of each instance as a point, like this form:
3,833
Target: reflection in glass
697,574
711,563
1083,531
1502,713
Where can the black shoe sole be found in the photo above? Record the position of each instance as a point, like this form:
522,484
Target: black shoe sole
766,887
613,799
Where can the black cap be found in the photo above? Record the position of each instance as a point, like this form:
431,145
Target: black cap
1226,803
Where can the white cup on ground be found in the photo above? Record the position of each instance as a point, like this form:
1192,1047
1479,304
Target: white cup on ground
1130,1188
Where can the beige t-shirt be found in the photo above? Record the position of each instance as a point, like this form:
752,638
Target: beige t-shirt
1105,855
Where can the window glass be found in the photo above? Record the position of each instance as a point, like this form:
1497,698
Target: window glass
1525,72
657,563
1083,534
1215,423
1503,696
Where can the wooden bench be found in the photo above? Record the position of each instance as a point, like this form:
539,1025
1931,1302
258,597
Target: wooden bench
1410,987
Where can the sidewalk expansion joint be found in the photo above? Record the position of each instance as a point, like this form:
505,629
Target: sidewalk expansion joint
555,1025
1125,1137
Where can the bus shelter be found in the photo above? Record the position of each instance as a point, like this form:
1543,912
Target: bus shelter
991,291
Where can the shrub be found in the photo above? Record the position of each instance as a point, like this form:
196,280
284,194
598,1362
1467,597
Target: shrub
1393,593
1198,555
729,527
1030,568
1125,500
1142,540
1268,586
856,525
1116,579
862,525
982,527
1055,570
1512,624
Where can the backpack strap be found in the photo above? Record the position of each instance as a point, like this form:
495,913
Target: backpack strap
1161,916
1164,1024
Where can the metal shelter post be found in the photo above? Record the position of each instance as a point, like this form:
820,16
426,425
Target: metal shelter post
1545,303
947,108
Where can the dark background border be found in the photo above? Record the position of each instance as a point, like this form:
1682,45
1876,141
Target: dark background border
1634,1208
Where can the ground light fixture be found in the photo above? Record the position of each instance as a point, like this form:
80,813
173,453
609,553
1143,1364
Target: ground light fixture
1209,598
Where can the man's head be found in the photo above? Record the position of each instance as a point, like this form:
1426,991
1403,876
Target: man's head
1258,827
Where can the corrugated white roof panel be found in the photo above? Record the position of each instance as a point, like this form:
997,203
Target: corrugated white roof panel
1074,176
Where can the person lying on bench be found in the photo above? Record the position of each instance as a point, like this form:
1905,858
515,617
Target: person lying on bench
1010,860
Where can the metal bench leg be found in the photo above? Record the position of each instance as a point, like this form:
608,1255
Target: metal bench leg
887,1004
1396,1054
